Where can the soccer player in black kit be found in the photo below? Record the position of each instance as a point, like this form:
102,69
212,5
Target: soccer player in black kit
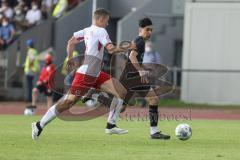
133,69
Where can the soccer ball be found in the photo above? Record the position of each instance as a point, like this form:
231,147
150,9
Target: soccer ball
183,131
97,99
91,103
28,112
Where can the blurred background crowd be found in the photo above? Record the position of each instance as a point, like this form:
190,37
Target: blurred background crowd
17,16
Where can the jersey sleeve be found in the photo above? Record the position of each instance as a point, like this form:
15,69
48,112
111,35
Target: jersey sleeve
139,44
104,38
79,35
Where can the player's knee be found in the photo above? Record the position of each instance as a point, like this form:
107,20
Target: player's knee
123,93
153,101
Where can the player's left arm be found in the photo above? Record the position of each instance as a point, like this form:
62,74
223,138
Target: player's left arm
107,43
112,49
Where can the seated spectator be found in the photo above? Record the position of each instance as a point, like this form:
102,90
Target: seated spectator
60,8
47,7
7,33
6,10
23,4
33,16
20,4
19,19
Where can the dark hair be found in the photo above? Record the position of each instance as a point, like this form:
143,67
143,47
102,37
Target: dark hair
100,12
145,22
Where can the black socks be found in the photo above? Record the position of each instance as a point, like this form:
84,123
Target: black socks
153,115
110,126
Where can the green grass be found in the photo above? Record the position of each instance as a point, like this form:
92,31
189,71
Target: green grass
61,140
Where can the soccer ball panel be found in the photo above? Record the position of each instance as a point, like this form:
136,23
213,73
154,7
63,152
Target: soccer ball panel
183,131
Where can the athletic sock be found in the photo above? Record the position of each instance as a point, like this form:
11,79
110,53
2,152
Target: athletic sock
115,109
49,116
153,116
112,110
153,130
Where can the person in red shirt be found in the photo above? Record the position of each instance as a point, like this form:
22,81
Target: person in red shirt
45,82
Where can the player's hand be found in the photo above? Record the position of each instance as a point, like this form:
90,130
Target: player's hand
144,76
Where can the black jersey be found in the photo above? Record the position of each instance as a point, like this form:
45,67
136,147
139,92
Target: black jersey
140,48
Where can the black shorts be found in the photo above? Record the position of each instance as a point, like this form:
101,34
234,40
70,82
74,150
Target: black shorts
43,89
131,80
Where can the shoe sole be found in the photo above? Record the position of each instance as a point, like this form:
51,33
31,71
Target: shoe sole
111,133
161,138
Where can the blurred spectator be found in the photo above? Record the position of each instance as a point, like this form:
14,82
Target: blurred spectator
31,67
23,5
19,19
60,8
150,55
45,82
73,3
6,10
47,7
33,16
64,70
7,33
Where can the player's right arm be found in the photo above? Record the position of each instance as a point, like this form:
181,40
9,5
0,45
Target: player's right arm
75,39
143,73
71,46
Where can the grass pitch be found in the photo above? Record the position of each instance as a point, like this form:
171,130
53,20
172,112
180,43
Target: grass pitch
86,140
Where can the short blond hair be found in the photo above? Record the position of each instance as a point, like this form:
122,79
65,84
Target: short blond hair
100,12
